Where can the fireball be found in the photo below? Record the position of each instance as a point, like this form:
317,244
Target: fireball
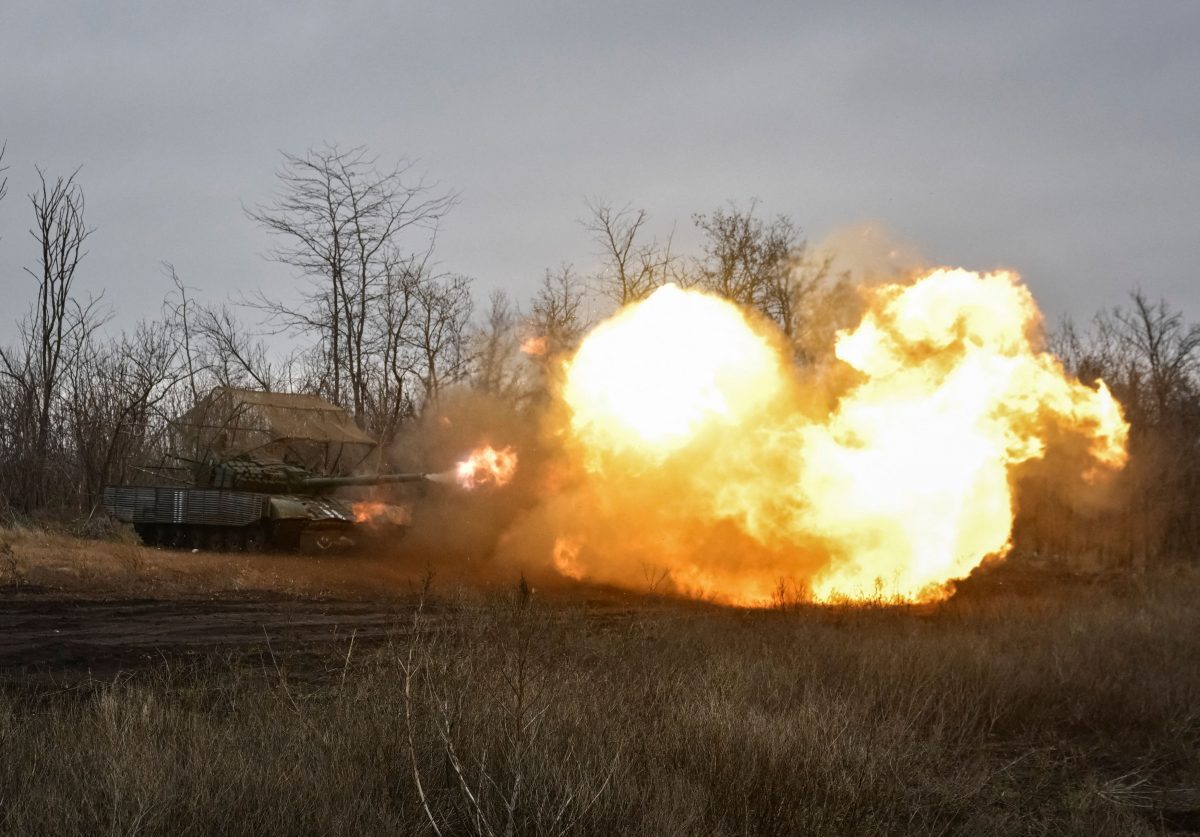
702,453
652,378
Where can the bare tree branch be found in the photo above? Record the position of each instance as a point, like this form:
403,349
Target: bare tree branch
57,326
342,223
632,269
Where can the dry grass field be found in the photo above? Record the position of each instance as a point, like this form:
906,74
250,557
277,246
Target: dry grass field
340,696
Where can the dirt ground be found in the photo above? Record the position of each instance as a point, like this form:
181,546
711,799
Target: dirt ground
46,634
73,608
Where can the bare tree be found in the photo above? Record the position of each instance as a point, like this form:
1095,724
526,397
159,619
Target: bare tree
216,347
1089,355
230,354
556,315
746,259
1161,351
341,221
497,349
114,389
3,169
57,325
1150,358
177,312
791,295
823,303
763,264
632,268
392,398
59,321
438,333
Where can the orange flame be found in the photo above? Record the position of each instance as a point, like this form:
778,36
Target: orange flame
534,346
375,513
566,558
487,466
701,452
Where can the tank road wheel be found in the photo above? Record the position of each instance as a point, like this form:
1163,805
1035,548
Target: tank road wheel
195,537
146,533
254,537
235,538
286,535
214,539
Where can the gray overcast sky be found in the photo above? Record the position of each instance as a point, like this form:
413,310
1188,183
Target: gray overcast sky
1060,139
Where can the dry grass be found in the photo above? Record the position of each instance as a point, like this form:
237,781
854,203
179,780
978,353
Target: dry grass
1066,710
120,565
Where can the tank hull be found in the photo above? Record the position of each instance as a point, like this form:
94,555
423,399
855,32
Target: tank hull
230,520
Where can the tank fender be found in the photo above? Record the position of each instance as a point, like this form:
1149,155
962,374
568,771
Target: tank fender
328,510
288,508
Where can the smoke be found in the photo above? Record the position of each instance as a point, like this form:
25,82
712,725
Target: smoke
870,252
456,530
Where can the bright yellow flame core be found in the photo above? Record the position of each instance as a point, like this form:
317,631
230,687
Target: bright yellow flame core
687,419
654,375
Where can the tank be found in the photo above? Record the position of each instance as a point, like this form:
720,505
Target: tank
244,504
262,469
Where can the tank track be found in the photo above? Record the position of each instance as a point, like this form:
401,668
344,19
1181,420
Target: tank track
185,536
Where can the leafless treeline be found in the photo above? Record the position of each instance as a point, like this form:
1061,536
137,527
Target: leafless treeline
376,326
1150,358
373,325
74,405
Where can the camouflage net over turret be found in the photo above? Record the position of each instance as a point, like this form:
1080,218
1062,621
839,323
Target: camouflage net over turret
293,428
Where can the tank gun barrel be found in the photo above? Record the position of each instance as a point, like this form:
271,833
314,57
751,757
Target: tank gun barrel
363,479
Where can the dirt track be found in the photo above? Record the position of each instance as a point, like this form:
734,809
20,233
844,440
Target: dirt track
45,633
